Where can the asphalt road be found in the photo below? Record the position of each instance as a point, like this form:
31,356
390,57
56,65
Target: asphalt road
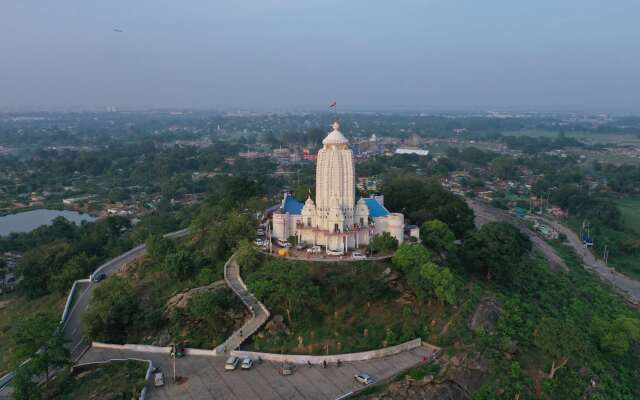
626,286
72,328
485,213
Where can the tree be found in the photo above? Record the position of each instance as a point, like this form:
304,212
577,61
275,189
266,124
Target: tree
23,384
423,276
179,265
247,256
410,257
36,338
285,285
39,265
112,311
424,200
158,247
383,243
497,250
440,282
615,337
77,267
437,236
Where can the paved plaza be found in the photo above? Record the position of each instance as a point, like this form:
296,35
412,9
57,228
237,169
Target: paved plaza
207,379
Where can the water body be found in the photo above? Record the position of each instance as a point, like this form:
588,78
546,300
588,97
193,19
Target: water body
30,220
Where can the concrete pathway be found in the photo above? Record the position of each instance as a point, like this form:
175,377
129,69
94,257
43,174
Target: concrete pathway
206,377
259,313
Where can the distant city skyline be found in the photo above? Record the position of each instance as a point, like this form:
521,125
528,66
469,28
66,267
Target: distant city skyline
286,55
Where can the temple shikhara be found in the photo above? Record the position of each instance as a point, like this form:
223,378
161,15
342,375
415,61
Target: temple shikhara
335,220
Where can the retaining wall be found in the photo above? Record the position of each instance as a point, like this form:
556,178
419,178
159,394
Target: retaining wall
153,349
306,359
67,305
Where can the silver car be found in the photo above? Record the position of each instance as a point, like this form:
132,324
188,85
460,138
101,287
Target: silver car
247,363
364,378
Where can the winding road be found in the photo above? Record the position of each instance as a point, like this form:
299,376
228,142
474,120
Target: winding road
626,286
72,327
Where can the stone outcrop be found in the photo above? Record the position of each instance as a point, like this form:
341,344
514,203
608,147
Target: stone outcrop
486,315
423,389
181,300
275,327
468,370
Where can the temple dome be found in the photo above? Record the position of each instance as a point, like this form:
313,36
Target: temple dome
335,136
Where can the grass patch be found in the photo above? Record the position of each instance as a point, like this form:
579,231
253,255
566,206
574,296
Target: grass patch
118,380
421,371
18,307
363,306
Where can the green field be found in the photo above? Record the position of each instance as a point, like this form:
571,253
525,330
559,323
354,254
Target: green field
630,209
628,263
588,137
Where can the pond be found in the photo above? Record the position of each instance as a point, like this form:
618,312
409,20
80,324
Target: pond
30,220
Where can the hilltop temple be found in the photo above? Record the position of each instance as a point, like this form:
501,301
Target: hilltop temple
335,220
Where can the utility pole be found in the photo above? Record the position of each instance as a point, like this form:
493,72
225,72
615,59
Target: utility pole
605,255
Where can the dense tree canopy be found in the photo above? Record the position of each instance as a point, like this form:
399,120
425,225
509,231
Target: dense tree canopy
423,201
112,311
498,250
437,236
287,285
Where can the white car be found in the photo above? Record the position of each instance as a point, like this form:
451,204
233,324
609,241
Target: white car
158,378
284,243
232,363
358,256
247,363
335,252
364,378
314,250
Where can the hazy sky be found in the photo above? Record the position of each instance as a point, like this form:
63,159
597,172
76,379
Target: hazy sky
286,54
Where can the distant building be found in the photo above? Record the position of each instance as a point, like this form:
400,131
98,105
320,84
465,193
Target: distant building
419,152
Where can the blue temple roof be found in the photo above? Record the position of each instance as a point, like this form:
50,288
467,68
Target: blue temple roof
375,208
292,206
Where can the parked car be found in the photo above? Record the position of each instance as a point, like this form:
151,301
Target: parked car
158,377
232,363
100,276
301,246
364,378
259,242
314,250
260,232
284,243
335,252
358,256
247,363
287,369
